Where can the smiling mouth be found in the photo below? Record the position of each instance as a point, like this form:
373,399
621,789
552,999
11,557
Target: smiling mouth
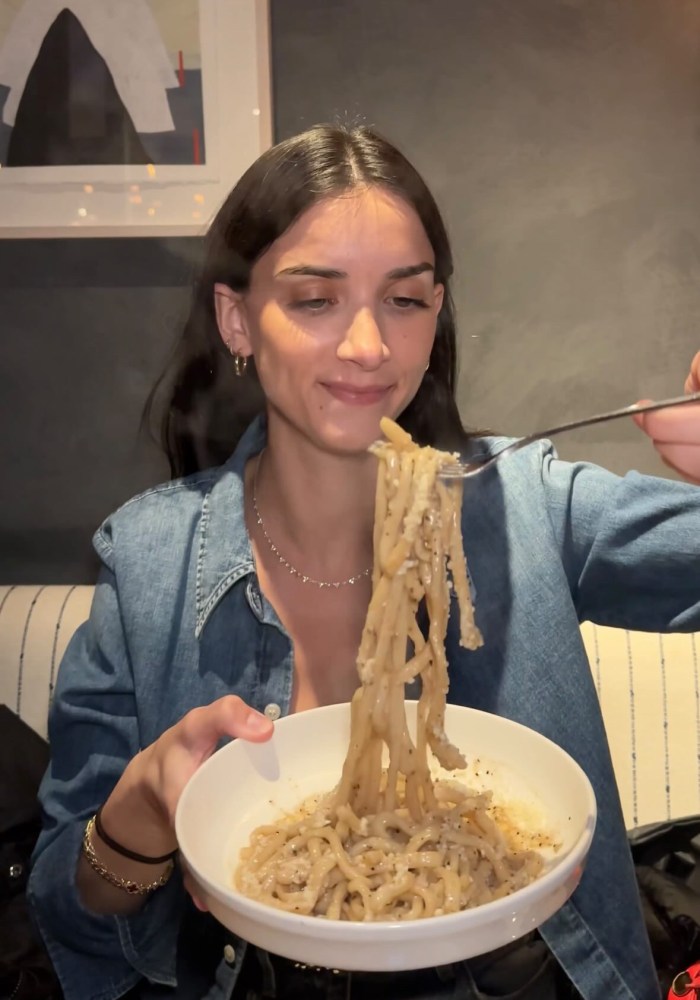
357,395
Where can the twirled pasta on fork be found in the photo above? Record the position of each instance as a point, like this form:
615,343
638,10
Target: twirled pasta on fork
390,842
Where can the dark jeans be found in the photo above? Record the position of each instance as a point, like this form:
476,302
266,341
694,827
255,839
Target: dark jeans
524,970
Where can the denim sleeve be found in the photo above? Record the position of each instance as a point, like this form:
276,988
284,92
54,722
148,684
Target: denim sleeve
630,545
94,732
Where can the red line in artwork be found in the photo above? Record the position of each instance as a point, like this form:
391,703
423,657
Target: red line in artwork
196,154
180,69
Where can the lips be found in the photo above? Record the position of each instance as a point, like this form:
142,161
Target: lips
357,395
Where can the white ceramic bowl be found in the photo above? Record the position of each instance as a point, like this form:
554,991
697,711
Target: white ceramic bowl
245,784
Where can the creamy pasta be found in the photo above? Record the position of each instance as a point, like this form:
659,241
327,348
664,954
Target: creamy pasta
391,843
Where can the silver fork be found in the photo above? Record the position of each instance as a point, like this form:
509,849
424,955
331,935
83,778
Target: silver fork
463,470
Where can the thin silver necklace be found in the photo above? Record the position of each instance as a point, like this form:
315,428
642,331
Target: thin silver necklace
304,577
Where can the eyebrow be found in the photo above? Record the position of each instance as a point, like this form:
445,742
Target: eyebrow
312,270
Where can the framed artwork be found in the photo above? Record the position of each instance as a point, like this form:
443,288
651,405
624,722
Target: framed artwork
128,117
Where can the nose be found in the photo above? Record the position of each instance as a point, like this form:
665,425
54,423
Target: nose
363,342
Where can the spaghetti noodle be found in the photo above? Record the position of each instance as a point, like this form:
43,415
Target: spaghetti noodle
389,842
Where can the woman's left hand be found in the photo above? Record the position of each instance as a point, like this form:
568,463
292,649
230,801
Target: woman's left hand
676,432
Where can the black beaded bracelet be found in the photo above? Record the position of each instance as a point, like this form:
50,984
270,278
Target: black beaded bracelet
124,851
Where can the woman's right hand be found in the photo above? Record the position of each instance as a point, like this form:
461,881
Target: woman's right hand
140,812
156,777
675,433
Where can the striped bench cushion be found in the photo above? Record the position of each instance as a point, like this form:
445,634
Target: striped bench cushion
35,626
649,690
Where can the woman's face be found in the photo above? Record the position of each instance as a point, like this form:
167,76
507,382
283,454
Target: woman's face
340,317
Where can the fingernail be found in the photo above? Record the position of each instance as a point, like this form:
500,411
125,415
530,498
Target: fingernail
257,721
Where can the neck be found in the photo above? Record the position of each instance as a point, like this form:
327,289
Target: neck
316,508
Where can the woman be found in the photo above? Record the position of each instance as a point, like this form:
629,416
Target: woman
323,305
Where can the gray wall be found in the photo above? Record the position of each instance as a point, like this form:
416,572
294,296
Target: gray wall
85,327
561,138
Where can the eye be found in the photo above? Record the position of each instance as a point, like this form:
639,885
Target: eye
405,302
312,305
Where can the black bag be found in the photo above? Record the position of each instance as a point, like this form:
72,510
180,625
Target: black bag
25,968
667,863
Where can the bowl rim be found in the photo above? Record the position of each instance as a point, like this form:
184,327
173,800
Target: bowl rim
303,925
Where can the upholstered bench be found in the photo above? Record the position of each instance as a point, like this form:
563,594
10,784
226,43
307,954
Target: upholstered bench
648,684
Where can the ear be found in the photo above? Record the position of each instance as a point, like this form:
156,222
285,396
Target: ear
439,295
231,320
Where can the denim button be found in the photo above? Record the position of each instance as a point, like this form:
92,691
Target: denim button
229,954
273,711
254,599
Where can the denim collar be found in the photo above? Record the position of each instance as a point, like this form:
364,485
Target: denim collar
225,554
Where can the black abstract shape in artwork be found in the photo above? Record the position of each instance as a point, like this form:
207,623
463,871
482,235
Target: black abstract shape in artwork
70,113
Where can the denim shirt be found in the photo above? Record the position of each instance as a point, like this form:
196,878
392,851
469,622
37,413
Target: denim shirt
178,620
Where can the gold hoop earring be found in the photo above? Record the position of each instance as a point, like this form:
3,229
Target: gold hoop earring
240,363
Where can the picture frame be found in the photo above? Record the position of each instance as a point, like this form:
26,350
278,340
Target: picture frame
231,95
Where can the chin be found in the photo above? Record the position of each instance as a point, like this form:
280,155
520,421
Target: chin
351,436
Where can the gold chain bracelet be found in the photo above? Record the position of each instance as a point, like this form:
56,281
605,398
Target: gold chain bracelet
126,884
